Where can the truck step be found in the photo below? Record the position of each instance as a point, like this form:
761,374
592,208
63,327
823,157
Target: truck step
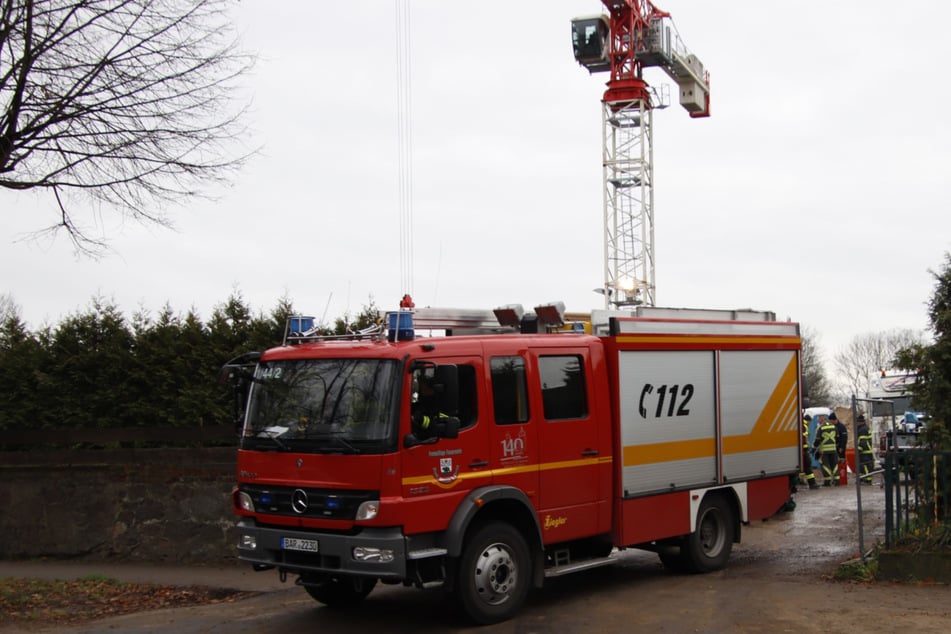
586,564
426,585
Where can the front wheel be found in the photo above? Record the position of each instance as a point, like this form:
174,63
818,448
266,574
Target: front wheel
340,590
494,573
708,547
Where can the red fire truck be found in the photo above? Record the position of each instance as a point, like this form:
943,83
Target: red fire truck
513,447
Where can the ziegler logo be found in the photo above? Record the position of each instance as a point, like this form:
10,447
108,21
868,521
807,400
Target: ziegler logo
554,522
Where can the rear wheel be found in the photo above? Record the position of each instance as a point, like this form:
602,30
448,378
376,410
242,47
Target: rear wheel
708,547
339,590
494,573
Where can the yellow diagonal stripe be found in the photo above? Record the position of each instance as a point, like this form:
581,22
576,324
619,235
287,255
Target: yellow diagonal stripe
771,430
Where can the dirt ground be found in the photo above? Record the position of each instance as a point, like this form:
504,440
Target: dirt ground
779,580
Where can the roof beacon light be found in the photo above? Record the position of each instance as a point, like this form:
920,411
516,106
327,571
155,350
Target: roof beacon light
551,315
300,325
400,326
509,315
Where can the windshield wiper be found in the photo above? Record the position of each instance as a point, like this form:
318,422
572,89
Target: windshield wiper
274,435
337,436
336,443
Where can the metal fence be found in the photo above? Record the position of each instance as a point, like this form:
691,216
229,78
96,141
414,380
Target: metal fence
917,493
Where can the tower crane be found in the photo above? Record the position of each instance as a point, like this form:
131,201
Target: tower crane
633,35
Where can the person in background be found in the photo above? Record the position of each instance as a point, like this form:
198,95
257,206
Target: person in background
826,451
863,447
807,473
841,442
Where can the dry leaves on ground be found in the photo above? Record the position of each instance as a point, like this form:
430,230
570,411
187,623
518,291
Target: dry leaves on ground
43,602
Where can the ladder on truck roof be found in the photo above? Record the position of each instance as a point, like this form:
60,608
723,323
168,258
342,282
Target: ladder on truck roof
454,321
460,321
512,318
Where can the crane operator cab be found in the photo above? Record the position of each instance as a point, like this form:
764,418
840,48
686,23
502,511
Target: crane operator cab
589,38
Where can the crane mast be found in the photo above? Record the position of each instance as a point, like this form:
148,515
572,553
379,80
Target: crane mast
634,34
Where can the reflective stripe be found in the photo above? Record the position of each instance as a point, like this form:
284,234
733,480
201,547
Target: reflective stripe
827,436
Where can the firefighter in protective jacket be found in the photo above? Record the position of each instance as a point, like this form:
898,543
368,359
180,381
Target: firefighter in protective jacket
826,450
807,473
863,446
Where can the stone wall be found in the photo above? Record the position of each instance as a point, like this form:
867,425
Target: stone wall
150,505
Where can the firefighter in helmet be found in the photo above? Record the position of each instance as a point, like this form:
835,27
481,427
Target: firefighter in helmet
807,473
841,444
827,452
425,409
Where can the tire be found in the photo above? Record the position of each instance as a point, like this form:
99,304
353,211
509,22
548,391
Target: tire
339,591
494,573
708,547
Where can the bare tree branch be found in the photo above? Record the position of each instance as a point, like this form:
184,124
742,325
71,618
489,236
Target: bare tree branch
872,352
125,103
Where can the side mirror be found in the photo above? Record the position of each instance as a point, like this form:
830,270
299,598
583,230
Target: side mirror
443,428
239,374
448,428
238,369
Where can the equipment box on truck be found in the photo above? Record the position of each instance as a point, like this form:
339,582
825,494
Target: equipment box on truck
486,462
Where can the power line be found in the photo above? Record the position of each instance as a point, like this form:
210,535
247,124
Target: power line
404,135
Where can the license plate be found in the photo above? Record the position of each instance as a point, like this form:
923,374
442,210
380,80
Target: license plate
292,543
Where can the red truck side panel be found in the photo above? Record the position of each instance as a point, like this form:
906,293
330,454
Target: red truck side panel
654,517
766,496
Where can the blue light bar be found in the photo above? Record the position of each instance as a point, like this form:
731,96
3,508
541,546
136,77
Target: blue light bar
400,326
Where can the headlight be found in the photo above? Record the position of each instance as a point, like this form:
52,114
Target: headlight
245,502
368,510
247,542
372,555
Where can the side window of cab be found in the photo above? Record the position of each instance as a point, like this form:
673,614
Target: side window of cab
429,396
564,391
509,390
468,412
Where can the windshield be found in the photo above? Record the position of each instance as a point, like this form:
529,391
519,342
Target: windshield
323,405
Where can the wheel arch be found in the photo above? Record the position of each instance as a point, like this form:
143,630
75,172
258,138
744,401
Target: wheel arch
502,503
733,495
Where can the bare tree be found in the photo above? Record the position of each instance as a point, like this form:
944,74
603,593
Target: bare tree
125,102
8,307
816,385
872,352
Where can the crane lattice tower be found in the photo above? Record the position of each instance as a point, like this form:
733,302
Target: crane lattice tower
633,35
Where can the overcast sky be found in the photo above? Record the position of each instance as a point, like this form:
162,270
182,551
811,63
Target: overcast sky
818,189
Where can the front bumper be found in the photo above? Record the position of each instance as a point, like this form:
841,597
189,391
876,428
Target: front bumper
334,555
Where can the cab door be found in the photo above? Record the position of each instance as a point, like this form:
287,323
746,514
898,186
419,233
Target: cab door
438,472
570,496
514,417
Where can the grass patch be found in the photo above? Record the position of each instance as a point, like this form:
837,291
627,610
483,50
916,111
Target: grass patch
857,570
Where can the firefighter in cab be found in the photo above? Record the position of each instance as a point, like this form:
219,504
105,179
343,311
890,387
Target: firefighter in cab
427,415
